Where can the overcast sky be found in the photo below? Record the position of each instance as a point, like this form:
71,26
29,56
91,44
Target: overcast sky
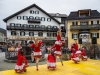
9,7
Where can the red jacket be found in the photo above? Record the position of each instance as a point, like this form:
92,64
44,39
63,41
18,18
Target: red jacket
51,58
76,46
21,59
36,48
58,37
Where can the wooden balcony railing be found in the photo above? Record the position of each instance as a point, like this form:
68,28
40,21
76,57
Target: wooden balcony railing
80,27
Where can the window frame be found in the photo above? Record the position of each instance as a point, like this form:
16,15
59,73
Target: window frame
49,19
21,33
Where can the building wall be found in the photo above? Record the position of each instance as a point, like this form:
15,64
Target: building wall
27,13
70,40
1,37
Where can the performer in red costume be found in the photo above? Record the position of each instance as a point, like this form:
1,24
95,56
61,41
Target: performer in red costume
83,54
75,45
51,60
75,58
20,66
58,51
37,52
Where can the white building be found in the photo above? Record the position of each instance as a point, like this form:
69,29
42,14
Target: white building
2,36
33,21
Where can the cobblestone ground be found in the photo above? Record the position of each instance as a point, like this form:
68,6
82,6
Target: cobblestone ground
7,66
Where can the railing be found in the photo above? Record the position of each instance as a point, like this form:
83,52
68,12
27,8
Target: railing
31,28
34,21
79,27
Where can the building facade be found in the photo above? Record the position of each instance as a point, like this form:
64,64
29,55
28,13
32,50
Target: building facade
2,35
33,21
83,26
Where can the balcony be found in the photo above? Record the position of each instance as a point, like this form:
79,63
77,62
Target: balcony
31,28
34,21
81,27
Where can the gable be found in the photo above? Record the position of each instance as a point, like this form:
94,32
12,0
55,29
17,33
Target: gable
31,6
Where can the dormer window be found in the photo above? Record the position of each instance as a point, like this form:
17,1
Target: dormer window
84,13
57,14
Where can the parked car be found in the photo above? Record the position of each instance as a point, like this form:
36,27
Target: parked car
3,49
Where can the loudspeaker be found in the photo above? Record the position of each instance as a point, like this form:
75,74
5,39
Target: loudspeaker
80,40
94,40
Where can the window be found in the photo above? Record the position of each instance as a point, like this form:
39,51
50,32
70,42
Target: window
95,22
13,32
19,17
48,19
54,34
49,26
75,36
31,17
31,33
36,26
40,33
42,26
22,33
54,26
49,34
42,18
37,18
12,24
25,25
74,23
94,34
25,17
31,11
31,25
18,25
36,12
83,23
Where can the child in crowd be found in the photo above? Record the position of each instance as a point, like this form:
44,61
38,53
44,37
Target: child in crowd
51,60
20,66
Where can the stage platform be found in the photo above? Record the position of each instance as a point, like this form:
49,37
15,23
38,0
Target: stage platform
89,67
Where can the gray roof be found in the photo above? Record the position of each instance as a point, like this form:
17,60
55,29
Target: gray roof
94,14
33,5
60,15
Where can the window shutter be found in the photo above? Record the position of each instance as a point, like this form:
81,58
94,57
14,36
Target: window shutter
97,35
97,21
78,35
20,33
72,35
11,33
91,22
24,33
91,35
14,33
76,23
29,33
72,23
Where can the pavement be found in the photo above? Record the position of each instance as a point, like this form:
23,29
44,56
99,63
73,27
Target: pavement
89,67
